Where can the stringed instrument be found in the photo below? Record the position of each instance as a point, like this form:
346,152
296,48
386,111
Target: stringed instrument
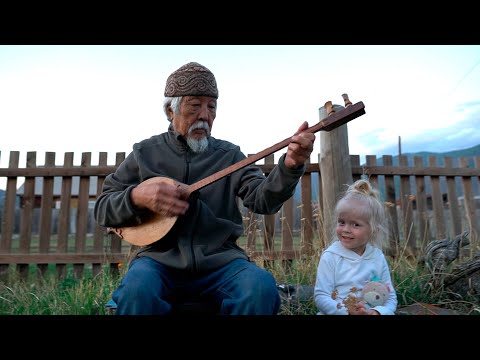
157,226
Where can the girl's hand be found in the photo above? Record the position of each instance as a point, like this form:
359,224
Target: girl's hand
358,309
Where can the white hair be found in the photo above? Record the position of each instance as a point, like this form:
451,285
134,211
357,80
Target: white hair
173,103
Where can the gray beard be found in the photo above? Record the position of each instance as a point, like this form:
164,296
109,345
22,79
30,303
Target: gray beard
198,146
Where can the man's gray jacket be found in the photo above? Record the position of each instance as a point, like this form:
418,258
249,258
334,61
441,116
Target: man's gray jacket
205,237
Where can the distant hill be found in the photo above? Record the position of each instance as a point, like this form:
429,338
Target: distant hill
468,153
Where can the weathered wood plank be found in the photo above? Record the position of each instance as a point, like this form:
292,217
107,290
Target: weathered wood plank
469,203
46,211
391,203
356,170
437,202
306,215
8,218
82,212
99,232
66,258
407,210
453,207
423,221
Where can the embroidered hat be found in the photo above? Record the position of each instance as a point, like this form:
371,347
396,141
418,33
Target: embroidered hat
191,79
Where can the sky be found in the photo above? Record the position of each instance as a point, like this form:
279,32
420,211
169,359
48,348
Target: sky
105,98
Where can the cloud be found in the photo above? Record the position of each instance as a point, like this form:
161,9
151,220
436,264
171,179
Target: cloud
470,106
462,135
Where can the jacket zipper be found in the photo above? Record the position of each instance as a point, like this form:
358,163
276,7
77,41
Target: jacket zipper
185,181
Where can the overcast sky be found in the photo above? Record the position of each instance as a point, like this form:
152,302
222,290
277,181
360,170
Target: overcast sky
95,98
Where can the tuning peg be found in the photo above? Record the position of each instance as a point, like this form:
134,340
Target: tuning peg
329,107
347,100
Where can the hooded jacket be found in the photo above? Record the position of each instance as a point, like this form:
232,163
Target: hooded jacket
204,238
341,269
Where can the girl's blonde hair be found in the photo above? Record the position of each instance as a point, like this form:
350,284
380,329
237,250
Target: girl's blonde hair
374,210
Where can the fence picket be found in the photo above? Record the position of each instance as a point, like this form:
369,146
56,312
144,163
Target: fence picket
37,227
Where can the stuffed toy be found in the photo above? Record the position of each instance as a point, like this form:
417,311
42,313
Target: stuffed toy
375,293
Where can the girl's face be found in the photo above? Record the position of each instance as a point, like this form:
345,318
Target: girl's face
353,229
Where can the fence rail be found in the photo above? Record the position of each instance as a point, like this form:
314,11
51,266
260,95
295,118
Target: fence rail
46,211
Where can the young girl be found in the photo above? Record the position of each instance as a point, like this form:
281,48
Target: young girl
355,256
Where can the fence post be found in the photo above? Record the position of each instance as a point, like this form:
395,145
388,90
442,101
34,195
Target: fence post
335,166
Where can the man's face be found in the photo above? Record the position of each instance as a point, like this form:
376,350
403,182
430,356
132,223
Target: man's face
194,109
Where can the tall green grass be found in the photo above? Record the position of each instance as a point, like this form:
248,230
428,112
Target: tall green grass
45,294
48,295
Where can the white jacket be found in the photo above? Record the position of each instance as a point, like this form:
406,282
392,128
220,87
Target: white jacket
341,269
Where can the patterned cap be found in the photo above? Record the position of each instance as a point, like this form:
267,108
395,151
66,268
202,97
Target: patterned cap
191,79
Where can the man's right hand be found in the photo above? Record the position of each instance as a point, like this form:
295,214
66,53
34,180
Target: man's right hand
160,196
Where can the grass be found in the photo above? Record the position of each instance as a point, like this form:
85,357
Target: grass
47,295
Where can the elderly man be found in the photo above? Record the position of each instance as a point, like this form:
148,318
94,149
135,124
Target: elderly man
198,258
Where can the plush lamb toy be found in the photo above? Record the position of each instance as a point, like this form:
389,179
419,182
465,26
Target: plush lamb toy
375,293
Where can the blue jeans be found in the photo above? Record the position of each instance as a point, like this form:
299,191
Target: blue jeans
238,288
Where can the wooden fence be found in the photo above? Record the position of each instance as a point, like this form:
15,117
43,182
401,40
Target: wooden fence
424,202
